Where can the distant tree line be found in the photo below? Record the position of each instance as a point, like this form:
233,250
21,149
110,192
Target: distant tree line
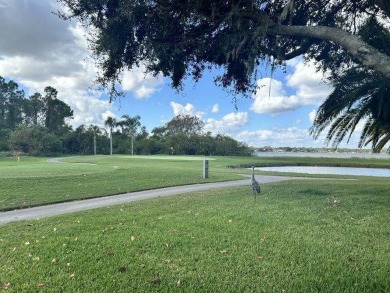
38,125
311,150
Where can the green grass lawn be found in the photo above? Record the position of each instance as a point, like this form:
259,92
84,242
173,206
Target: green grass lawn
32,182
35,181
299,236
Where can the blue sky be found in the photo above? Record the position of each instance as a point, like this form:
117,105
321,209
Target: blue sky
38,49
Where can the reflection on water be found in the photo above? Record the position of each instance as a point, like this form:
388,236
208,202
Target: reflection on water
323,155
330,170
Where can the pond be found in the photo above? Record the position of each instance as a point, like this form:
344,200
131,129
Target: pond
323,155
376,172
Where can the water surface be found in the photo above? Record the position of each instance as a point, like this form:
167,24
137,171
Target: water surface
323,155
376,172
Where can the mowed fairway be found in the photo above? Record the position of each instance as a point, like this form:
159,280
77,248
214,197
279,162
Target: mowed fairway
37,181
299,236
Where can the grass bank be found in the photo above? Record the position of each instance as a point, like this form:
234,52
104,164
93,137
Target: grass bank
300,236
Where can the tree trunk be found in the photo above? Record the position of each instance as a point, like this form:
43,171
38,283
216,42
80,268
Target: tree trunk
366,54
111,141
132,145
94,144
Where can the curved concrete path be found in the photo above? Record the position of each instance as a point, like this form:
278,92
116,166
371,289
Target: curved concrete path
93,203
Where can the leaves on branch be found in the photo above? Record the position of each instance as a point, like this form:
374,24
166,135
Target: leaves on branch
183,38
360,96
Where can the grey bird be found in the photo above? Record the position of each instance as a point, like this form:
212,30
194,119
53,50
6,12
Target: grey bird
254,184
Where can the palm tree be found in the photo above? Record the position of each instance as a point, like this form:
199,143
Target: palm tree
95,130
129,127
110,123
359,96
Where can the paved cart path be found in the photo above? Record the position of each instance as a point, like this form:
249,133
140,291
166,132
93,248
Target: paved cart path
93,203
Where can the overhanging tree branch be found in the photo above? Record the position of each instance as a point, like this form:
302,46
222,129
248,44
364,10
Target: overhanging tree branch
384,5
181,35
366,54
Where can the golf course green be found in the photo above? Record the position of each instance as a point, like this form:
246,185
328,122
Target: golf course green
319,235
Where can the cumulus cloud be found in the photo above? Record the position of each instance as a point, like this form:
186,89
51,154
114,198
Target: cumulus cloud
312,115
187,109
228,124
37,49
309,83
140,84
215,108
304,87
272,98
291,136
179,109
30,29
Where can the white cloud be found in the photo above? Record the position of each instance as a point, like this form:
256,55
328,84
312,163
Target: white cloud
140,84
228,124
38,49
291,136
187,109
179,109
272,98
215,108
90,110
309,83
312,115
29,28
305,84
